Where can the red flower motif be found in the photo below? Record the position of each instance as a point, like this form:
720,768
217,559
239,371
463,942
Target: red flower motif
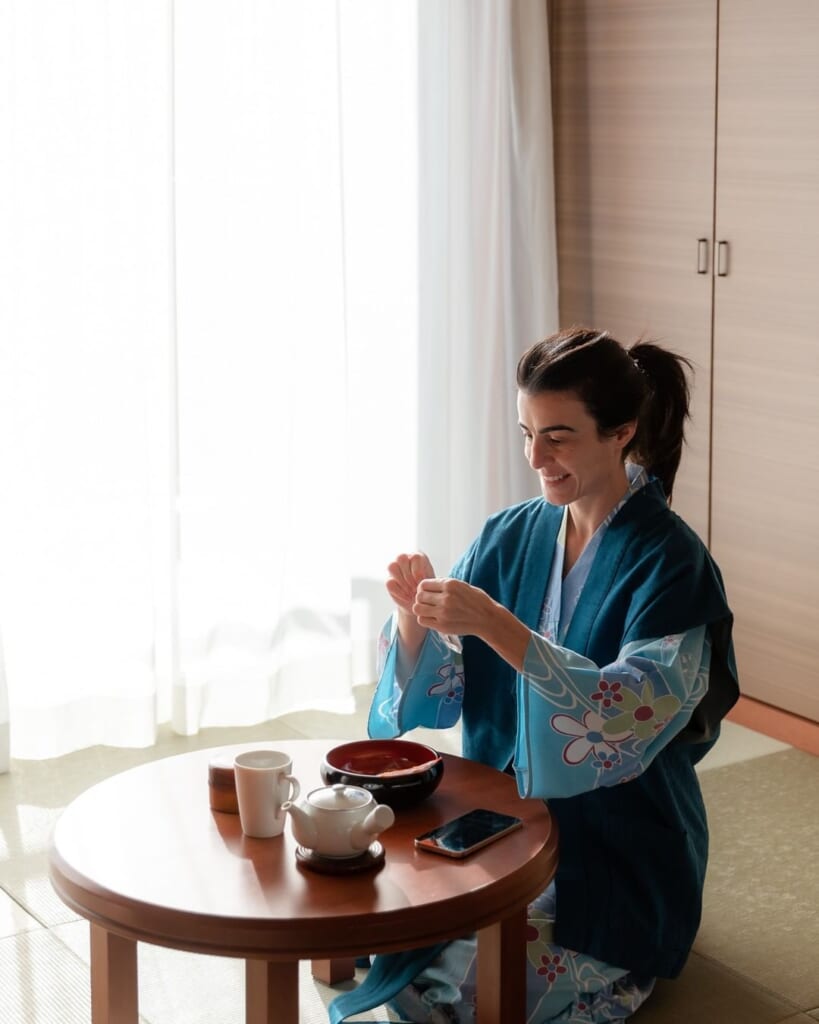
608,693
551,967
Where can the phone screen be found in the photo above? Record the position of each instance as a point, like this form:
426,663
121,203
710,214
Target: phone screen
469,832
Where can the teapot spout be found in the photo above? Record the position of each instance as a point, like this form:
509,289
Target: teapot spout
377,821
303,826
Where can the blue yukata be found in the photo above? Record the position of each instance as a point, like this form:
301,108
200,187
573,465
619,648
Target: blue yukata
628,672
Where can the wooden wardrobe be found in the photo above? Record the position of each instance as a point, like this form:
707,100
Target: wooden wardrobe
687,188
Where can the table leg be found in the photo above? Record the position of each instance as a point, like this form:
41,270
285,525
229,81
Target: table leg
501,981
114,994
331,972
271,992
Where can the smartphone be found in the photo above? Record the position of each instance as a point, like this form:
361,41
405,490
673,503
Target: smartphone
469,832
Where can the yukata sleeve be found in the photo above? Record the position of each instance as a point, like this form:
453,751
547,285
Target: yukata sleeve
581,726
429,694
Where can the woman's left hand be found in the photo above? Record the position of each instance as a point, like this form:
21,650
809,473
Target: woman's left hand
452,606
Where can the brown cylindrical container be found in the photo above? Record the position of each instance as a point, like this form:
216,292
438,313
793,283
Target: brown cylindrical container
222,784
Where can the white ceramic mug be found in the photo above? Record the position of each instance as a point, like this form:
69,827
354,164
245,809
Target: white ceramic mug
264,781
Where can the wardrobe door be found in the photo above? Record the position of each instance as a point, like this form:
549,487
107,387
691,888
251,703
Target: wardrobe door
633,104
765,487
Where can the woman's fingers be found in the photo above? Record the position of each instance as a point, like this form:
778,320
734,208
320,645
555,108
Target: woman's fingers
398,591
435,600
410,569
449,605
405,574
420,567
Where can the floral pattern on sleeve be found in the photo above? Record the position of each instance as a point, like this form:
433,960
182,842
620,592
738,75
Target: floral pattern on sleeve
581,726
431,695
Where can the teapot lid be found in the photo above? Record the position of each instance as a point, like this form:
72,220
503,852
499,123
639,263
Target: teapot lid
339,797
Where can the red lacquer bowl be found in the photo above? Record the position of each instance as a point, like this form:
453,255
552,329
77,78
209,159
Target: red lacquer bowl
399,773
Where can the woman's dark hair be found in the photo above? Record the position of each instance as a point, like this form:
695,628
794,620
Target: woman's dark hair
645,383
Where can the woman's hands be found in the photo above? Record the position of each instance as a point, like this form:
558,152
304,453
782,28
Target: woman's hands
447,605
405,573
451,607
454,607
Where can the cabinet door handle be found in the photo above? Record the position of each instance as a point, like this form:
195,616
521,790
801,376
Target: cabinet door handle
722,259
702,255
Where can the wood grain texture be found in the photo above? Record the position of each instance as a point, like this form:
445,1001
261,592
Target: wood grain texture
781,725
634,100
114,991
634,87
501,968
271,992
766,346
144,858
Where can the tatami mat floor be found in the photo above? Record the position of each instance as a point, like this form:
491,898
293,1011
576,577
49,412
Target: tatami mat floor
755,962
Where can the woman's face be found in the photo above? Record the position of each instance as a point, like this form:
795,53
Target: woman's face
563,446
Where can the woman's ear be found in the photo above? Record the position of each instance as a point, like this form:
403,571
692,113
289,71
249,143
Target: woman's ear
624,433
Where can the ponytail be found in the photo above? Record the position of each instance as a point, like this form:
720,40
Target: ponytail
658,443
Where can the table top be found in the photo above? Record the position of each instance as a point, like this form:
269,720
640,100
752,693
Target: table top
143,855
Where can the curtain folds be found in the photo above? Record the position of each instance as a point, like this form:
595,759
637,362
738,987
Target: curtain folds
487,268
5,743
192,313
265,274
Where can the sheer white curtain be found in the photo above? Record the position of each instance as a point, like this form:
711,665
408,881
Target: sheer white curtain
207,269
487,269
222,290
5,745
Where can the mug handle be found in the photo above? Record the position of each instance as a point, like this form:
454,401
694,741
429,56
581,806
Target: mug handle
295,789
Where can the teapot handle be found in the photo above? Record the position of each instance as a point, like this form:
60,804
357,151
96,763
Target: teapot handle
381,817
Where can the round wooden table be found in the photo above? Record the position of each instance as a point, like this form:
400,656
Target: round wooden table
144,858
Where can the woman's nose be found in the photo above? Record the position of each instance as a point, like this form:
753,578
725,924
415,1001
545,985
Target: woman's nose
535,454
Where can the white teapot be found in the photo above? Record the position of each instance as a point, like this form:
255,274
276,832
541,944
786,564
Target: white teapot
338,821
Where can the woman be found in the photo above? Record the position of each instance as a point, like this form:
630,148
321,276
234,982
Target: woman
585,641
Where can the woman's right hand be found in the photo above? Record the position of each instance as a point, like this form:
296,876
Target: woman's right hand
405,573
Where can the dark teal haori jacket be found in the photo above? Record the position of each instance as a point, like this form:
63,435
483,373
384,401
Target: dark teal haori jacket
632,856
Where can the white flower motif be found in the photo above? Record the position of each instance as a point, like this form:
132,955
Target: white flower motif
588,736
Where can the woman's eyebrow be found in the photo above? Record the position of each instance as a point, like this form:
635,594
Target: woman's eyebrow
548,430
